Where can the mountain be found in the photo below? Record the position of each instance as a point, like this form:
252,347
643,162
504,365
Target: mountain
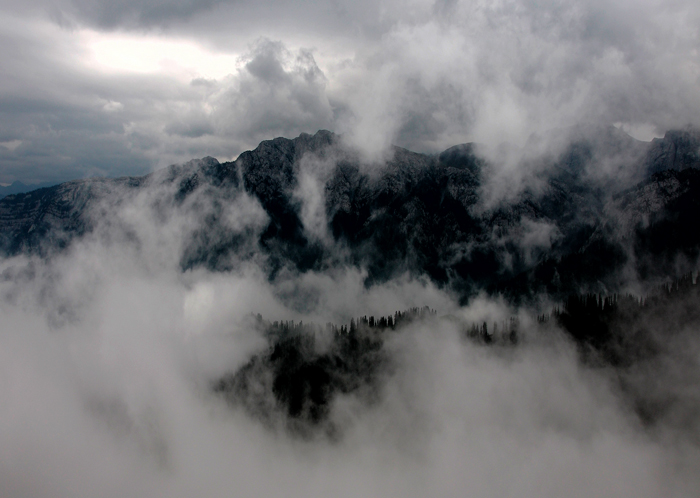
18,187
678,150
594,207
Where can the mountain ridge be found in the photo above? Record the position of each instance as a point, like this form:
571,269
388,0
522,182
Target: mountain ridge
415,213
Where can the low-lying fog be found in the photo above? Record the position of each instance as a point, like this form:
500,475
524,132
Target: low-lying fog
108,353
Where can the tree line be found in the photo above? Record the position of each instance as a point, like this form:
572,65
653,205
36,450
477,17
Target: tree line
620,328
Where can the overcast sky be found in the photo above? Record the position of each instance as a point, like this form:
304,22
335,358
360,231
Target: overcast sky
122,87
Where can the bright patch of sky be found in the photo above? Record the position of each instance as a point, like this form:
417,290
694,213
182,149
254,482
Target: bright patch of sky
183,59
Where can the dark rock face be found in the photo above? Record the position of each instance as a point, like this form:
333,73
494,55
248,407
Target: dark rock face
649,226
270,173
577,229
665,238
678,150
48,218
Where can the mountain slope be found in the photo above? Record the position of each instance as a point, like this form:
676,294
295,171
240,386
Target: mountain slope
18,187
576,225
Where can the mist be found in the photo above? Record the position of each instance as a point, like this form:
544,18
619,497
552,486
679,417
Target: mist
108,352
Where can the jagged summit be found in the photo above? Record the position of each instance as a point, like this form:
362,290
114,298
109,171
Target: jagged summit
678,150
415,213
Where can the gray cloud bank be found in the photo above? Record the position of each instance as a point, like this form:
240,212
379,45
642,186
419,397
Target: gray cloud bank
108,351
419,74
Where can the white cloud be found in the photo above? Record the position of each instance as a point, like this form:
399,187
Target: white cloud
112,106
126,52
11,145
108,352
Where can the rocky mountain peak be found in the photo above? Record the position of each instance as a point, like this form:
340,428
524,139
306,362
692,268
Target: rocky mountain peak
413,213
678,150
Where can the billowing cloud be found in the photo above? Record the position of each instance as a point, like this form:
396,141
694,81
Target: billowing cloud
108,353
423,75
276,93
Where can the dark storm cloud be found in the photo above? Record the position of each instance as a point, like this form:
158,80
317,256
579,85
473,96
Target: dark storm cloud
60,116
219,19
422,75
136,13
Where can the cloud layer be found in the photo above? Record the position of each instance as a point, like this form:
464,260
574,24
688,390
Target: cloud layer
108,352
424,75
